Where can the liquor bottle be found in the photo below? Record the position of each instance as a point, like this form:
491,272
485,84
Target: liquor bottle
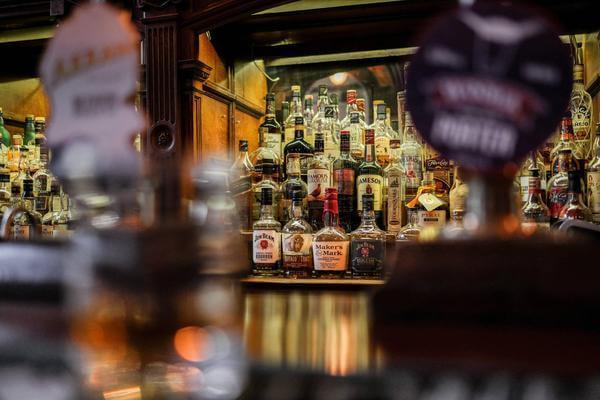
411,153
350,108
27,223
319,179
581,105
301,147
24,172
240,186
361,106
393,188
309,115
369,179
42,180
574,207
367,244
5,195
270,131
330,129
242,167
357,134
40,142
318,121
535,213
376,104
294,114
55,208
14,156
269,144
29,130
266,182
559,183
61,221
335,103
567,142
593,179
330,244
382,137
285,113
4,134
401,103
533,161
266,238
291,184
431,210
458,195
15,202
388,123
411,231
296,239
344,174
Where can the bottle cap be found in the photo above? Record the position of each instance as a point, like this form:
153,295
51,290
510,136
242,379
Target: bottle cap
381,109
351,96
333,99
295,89
266,196
17,140
29,118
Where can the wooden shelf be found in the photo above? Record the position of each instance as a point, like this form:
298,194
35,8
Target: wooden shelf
312,282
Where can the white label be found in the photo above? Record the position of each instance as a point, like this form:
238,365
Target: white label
593,180
330,256
21,232
432,218
266,247
331,148
60,231
46,230
318,180
369,184
524,182
296,247
382,149
394,203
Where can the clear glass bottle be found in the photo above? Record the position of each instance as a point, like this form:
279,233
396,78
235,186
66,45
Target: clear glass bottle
14,156
27,223
326,124
266,182
388,123
5,195
393,189
42,178
301,147
242,166
535,213
357,136
533,161
350,108
367,244
411,153
318,121
296,240
369,179
334,101
567,142
593,179
269,136
294,113
574,207
55,208
266,239
344,180
24,172
4,133
29,130
411,231
330,244
291,184
240,185
458,193
382,136
361,105
558,184
319,178
309,115
581,107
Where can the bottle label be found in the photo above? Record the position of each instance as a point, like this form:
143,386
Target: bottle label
331,148
330,256
297,250
272,140
593,180
394,203
369,184
47,230
60,231
266,246
414,172
582,119
557,198
382,150
431,218
530,228
21,231
343,179
289,134
317,180
367,256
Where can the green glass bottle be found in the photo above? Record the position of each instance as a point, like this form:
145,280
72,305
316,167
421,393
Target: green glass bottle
29,131
4,134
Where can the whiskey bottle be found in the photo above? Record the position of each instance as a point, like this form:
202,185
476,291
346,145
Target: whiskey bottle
319,178
265,182
294,113
14,156
367,244
335,103
361,106
266,238
27,222
242,167
535,213
350,108
240,186
29,130
301,147
330,244
309,115
567,142
269,133
411,153
581,105
357,134
533,161
431,209
317,124
393,189
344,174
411,231
291,184
559,183
382,136
62,221
574,207
55,208
458,194
4,133
5,195
296,239
593,179
369,179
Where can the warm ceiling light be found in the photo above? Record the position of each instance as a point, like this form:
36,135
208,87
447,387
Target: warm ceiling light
338,78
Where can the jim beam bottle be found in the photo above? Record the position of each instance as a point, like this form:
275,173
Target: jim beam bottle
266,239
369,179
393,189
593,179
535,213
296,240
330,244
367,244
344,180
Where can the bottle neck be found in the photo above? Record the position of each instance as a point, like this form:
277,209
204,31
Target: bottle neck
296,210
409,134
412,216
331,219
368,218
293,168
266,211
534,190
370,152
296,106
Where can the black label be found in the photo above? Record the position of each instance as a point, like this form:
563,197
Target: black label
367,256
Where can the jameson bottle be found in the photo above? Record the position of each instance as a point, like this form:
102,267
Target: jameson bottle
319,178
266,239
369,179
296,241
270,130
330,244
593,179
367,244
343,179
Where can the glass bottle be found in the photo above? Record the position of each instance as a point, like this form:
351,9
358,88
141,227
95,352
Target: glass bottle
285,113
411,153
291,184
29,130
334,102
27,223
330,244
242,167
382,136
558,184
574,207
15,201
567,142
581,106
294,113
14,156
401,104
357,135
593,179
431,209
367,244
266,182
266,238
361,106
458,193
5,194
296,240
4,133
343,179
301,147
393,188
369,179
318,121
350,108
388,123
533,161
42,180
23,167
269,133
55,208
61,221
535,213
319,178
240,186
309,115
411,231
40,142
